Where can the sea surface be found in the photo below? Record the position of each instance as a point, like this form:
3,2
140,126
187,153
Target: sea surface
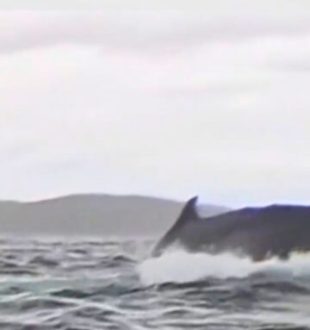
88,284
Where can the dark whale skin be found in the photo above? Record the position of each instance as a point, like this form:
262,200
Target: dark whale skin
258,233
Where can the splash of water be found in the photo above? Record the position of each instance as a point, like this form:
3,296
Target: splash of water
180,267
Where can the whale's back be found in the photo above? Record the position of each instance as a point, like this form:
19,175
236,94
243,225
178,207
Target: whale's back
256,232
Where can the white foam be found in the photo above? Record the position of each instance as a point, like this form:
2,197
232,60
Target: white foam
180,267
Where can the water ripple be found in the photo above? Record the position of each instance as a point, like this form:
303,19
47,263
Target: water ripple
95,284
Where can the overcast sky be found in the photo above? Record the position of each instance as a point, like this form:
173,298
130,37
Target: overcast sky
172,103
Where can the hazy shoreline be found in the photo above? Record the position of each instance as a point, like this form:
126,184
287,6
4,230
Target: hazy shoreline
93,215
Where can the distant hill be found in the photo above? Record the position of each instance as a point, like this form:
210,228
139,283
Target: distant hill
91,214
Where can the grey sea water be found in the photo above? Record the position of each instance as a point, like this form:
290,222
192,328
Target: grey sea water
111,284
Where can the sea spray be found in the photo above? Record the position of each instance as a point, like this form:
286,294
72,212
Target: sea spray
180,266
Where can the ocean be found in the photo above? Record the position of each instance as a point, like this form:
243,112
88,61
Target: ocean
89,284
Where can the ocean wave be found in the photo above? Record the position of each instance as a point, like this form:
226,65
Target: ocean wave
82,285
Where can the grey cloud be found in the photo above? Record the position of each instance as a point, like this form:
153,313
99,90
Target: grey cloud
107,122
212,90
143,30
298,66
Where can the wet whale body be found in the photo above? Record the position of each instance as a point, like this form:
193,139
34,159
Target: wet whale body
258,233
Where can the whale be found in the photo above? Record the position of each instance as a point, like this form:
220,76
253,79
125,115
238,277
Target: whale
258,233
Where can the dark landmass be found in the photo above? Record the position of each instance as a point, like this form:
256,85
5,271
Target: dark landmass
92,215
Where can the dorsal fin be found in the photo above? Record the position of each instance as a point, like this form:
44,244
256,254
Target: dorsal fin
188,214
189,211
